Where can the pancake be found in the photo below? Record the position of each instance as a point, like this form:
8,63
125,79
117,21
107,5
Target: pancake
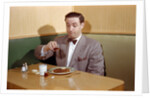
60,70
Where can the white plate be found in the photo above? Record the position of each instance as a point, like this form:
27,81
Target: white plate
61,73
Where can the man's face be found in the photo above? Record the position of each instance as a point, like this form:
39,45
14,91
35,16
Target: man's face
74,27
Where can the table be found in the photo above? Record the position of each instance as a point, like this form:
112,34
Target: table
76,80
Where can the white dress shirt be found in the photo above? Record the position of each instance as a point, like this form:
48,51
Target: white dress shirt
70,52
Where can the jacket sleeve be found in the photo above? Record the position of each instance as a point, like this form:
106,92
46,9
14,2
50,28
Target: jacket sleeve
38,55
96,60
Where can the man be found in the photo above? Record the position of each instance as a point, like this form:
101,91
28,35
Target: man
74,49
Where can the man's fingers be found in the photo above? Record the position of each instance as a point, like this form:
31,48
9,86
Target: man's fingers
52,45
55,45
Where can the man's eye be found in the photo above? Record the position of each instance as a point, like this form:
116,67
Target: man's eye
74,25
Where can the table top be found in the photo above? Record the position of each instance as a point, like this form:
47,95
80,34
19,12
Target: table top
76,80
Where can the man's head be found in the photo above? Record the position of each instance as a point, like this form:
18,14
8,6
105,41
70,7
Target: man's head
74,24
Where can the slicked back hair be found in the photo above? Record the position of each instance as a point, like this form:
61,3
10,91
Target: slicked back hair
75,14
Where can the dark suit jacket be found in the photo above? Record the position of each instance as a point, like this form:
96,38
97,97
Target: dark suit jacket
87,56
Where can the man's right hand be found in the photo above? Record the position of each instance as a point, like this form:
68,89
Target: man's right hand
52,45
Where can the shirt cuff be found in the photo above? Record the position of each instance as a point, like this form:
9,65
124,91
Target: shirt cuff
42,51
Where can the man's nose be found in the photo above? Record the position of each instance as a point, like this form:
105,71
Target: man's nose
70,28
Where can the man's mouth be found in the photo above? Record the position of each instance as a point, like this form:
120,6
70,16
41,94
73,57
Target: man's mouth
71,33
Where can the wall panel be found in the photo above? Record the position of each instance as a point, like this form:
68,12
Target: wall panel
37,21
109,19
49,20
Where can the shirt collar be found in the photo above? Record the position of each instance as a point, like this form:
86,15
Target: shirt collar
78,38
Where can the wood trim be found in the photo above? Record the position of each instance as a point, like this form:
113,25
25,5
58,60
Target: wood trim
33,35
113,33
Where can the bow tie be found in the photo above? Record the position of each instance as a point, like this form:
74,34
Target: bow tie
72,40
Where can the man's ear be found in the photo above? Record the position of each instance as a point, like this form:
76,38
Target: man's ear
82,25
